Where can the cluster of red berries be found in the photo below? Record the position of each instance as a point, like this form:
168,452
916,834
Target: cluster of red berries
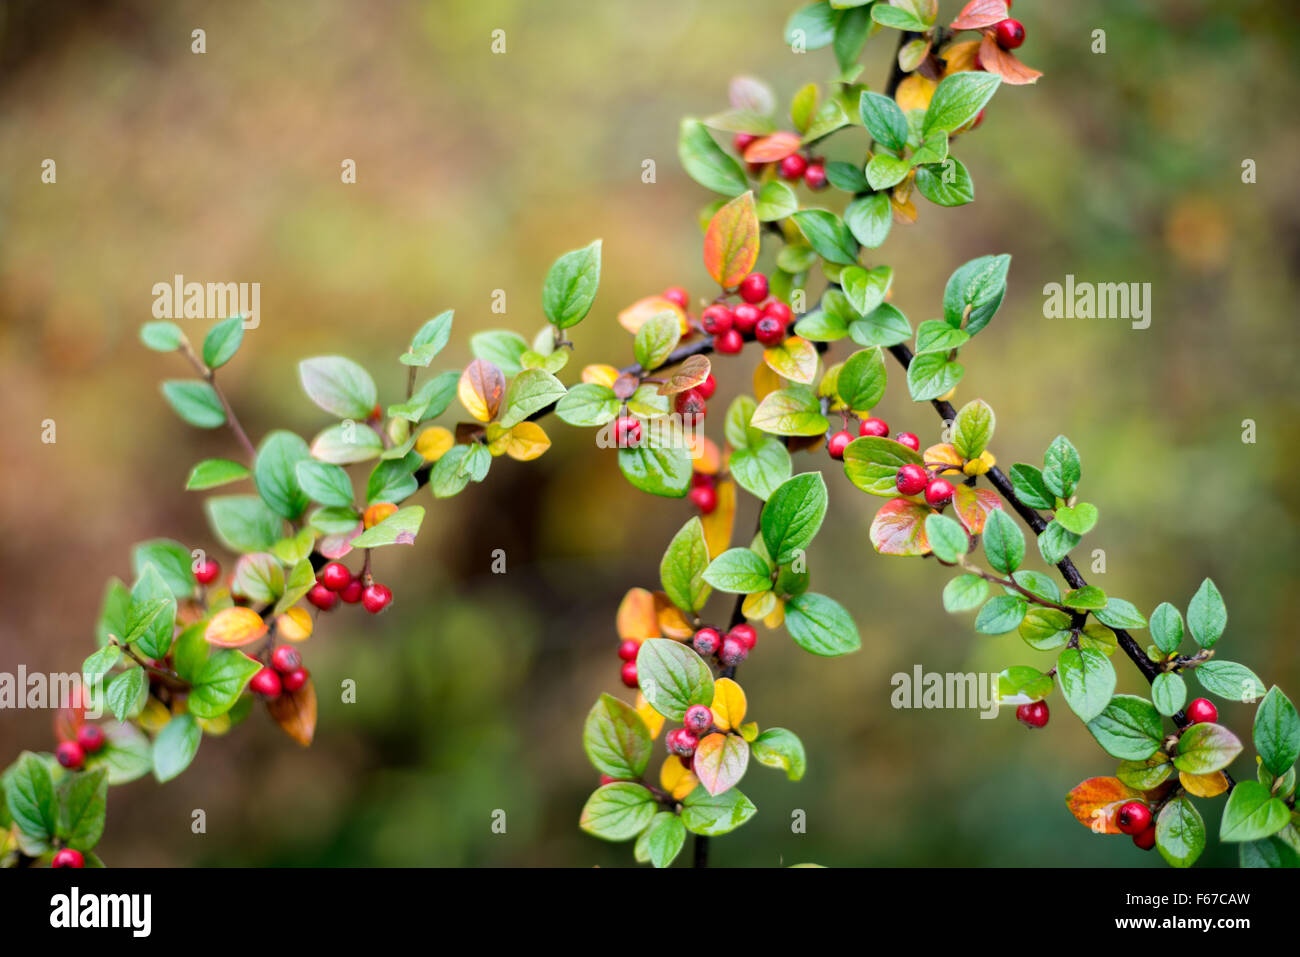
1134,818
335,582
756,315
878,428
72,754
684,740
731,649
795,167
704,492
285,674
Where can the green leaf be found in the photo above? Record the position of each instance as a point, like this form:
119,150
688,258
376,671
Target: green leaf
935,335
346,443
848,177
31,801
715,814
1180,833
779,748
884,120
1252,814
1027,480
501,347
947,537
529,392
793,410
792,516
222,342
866,289
885,171
1038,583
1021,681
1270,852
1145,775
219,682
776,200
618,812
883,326
964,593
827,234
172,559
861,381
1168,693
932,375
1045,628
1207,616
1079,519
570,286
761,468
739,571
977,286
657,470
662,841
151,617
615,738
1277,732
1004,543
1230,681
656,339
400,528
324,483
820,625
125,694
83,800
243,523
811,27
162,336
588,404
429,341
869,218
259,577
275,473
430,400
195,402
946,184
126,757
706,163
1061,467
175,746
871,463
958,99
1001,614
394,479
972,429
339,386
1205,748
672,677
1055,542
1128,728
1167,627
1087,681
851,35
99,664
213,472
1118,613
1087,598
682,568
900,17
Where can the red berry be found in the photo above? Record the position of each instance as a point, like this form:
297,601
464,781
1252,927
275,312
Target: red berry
716,319
91,737
793,167
729,343
266,683
697,719
746,316
67,857
1146,840
1009,34
1134,817
295,679
207,571
708,386
876,427
352,594
627,650
628,673
706,642
979,118
705,498
742,140
814,176
753,288
939,492
911,480
1033,715
703,478
745,634
978,64
70,755
376,598
627,432
733,652
678,295
769,331
691,406
838,443
335,576
681,742
910,440
1202,711
286,658
322,597
778,311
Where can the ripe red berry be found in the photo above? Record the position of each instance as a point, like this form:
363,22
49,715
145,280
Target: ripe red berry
708,386
908,439
814,176
627,432
1009,34
335,576
838,443
733,652
703,478
70,755
628,673
67,857
627,649
681,742
1033,715
697,719
286,658
745,634
753,288
793,167
91,738
322,597
705,498
1146,840
266,683
876,427
742,140
746,316
911,480
295,679
729,343
1133,817
678,295
716,319
207,571
939,492
769,331
706,642
1202,711
778,311
352,594
376,598
691,406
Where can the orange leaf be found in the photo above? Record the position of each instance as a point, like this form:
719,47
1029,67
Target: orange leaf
981,13
636,616
899,528
1004,63
601,374
973,506
705,457
771,149
1094,803
653,720
731,241
295,713
635,315
944,455
688,375
482,386
915,92
676,778
233,627
377,513
959,57
295,624
718,523
672,623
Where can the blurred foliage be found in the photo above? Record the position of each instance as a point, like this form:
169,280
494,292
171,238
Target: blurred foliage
474,171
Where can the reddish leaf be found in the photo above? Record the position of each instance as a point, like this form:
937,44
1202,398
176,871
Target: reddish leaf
336,546
688,375
771,149
295,713
720,761
973,505
981,13
1095,801
482,386
731,241
1004,63
899,528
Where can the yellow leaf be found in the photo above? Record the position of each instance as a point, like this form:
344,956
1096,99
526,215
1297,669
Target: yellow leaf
636,617
601,374
434,442
676,778
527,441
294,625
794,359
635,315
153,716
1203,785
766,381
481,388
749,731
672,622
944,455
914,93
215,727
959,57
758,604
729,704
904,208
234,627
652,719
980,465
498,437
376,513
719,522
947,396
777,617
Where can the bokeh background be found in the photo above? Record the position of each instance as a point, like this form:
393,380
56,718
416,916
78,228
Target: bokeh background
474,171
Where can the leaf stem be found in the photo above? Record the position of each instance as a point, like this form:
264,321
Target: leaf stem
210,377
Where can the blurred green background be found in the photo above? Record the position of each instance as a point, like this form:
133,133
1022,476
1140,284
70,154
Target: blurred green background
474,171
